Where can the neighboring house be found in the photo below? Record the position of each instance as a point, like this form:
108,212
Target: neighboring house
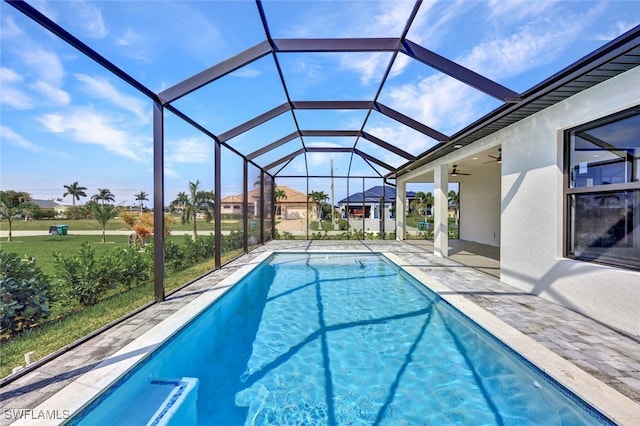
371,203
294,206
232,204
59,209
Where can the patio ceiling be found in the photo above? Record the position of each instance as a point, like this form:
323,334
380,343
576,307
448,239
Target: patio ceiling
363,124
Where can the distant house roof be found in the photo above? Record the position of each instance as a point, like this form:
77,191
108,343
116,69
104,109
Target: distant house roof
293,196
46,204
374,194
232,199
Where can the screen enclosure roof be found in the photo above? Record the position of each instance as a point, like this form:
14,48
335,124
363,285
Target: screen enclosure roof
374,88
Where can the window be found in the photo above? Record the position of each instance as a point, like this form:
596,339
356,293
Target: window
602,190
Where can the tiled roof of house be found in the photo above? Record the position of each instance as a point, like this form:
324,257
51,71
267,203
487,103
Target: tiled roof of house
293,196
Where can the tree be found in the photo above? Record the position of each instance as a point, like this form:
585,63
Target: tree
280,195
14,204
75,191
103,214
103,195
318,197
142,196
196,201
454,200
422,203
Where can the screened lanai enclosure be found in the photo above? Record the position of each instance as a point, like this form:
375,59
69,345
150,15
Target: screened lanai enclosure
298,117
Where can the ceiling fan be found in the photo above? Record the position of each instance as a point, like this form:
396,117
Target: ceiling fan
497,159
456,172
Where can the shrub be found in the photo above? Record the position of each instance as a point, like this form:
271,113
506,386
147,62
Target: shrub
127,267
232,241
81,278
174,256
24,293
40,214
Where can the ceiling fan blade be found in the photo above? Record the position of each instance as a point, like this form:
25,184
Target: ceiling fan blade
497,159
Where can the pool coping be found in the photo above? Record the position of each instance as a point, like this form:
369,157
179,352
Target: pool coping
81,392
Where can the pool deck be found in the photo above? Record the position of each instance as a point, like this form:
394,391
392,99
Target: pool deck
605,354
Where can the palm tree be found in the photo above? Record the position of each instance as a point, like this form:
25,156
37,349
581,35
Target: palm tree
14,204
280,195
192,203
454,200
103,195
142,196
318,197
103,214
75,191
422,203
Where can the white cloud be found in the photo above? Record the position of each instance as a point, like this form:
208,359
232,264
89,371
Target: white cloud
616,30
11,95
9,76
402,137
128,38
15,98
9,30
134,45
170,173
46,64
189,150
370,66
56,95
392,17
101,88
439,101
88,127
518,9
8,135
246,72
89,18
434,22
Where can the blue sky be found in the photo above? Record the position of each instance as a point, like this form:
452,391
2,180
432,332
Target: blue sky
65,119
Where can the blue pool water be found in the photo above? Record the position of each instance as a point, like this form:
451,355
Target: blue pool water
324,339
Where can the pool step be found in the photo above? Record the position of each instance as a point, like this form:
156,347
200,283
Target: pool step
179,406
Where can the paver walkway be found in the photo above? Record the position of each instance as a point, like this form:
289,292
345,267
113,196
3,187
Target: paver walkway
604,353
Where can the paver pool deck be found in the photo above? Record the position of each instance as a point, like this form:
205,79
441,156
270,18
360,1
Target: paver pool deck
604,353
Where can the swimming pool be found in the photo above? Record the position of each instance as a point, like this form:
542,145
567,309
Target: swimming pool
334,339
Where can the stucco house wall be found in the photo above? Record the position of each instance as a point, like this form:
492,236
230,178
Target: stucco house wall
532,210
480,206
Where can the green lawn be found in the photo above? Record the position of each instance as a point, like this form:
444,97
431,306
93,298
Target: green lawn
43,247
113,225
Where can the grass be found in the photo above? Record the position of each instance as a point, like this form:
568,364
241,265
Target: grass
113,225
43,247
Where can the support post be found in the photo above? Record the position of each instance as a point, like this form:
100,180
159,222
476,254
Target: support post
158,201
441,211
245,205
217,229
401,202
